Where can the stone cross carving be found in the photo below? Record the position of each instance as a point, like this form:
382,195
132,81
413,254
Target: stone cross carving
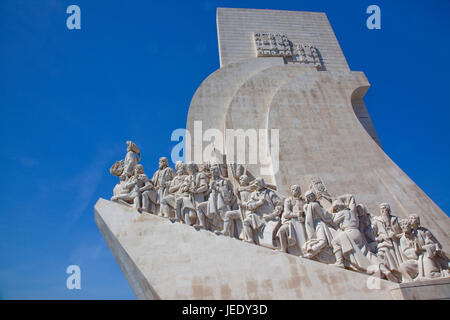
272,45
278,45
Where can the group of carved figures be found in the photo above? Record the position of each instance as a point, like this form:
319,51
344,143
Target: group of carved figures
238,205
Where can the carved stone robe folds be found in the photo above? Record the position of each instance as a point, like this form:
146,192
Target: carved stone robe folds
349,239
296,233
220,200
316,219
425,253
262,202
185,208
161,180
120,188
130,163
173,193
388,249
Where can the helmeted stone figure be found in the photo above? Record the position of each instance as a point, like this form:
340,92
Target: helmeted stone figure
292,230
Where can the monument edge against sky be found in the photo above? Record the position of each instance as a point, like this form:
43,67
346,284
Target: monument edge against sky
237,97
282,72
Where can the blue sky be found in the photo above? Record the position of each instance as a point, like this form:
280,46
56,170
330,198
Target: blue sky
70,99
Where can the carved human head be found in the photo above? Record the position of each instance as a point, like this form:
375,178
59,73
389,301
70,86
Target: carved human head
310,196
240,170
415,221
243,180
385,209
139,169
337,206
163,162
179,166
192,168
131,146
405,225
123,177
259,183
204,167
215,170
361,210
296,191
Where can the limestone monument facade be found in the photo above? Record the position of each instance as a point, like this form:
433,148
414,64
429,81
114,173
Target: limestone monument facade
327,216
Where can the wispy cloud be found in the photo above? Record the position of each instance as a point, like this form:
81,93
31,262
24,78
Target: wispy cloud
85,184
85,252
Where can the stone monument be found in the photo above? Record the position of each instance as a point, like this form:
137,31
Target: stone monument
323,214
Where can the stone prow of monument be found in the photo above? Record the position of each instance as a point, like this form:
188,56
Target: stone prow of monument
285,71
165,260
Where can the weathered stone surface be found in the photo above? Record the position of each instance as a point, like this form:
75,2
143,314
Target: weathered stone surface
212,99
423,290
235,28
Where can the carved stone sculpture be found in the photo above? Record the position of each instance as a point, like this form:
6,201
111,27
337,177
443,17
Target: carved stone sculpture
221,199
292,231
136,185
131,159
169,202
318,230
431,262
365,226
346,235
388,232
232,222
263,219
193,194
161,180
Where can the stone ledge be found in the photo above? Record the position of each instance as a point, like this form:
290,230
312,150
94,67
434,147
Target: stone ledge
166,260
438,289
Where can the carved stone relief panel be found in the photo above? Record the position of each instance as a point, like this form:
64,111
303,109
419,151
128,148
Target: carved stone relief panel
278,45
272,45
